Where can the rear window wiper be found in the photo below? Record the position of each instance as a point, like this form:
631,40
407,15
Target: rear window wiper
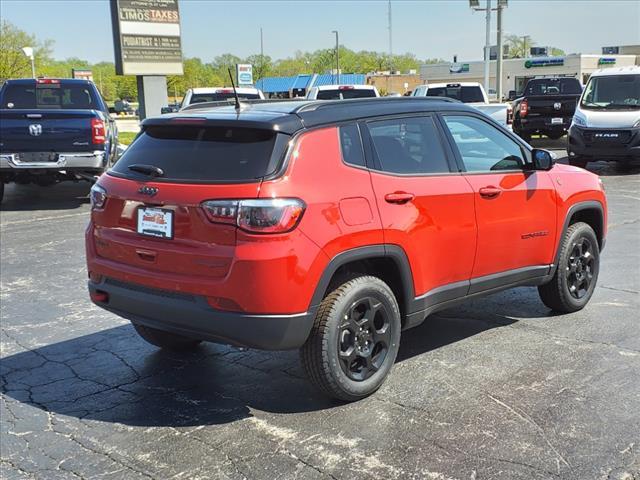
150,170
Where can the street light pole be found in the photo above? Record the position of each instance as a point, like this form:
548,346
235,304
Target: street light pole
487,47
501,5
337,58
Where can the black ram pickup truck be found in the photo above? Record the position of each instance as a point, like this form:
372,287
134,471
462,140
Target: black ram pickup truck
546,107
53,130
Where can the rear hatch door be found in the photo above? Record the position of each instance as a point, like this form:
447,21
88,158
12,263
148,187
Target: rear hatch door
198,163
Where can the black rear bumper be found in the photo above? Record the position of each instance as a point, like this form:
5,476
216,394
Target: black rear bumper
192,316
544,124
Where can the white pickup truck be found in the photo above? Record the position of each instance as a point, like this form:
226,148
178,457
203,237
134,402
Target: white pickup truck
471,93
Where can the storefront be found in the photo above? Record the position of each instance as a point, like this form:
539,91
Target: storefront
517,71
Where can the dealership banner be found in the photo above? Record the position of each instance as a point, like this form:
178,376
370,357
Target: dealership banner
146,35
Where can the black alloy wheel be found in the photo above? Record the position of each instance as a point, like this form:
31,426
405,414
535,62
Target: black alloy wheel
364,339
580,268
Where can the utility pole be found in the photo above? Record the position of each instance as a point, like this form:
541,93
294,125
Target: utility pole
337,58
261,54
501,5
524,46
390,39
487,47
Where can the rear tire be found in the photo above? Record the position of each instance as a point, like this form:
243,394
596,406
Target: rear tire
354,340
577,273
166,340
555,135
577,161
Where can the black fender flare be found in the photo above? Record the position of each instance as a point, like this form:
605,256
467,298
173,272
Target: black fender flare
573,209
394,252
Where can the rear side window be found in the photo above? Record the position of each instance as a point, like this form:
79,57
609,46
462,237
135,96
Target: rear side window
345,93
457,92
203,154
408,146
351,145
49,96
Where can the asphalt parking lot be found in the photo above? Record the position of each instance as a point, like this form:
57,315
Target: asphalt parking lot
497,389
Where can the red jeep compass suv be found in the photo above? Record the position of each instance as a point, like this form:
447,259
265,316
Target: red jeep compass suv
333,226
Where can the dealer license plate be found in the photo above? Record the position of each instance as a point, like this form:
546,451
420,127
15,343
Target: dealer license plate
555,121
155,222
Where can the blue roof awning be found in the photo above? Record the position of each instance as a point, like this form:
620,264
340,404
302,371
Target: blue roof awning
345,79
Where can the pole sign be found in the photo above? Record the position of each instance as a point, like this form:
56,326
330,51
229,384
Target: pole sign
82,74
146,37
244,74
459,68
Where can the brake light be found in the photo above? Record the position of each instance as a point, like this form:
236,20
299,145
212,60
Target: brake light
524,108
98,131
48,81
97,197
269,215
509,114
346,87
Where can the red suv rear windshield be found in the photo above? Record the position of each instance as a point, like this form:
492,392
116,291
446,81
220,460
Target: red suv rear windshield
204,154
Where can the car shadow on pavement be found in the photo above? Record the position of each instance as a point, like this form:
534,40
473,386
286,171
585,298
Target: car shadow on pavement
61,196
114,376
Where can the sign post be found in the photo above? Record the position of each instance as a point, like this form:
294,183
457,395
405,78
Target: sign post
146,35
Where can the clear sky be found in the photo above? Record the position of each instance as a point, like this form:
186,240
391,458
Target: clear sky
427,28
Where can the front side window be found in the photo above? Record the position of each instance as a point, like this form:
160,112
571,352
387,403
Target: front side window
621,92
482,147
408,146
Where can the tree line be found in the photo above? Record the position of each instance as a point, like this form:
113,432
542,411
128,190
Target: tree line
197,73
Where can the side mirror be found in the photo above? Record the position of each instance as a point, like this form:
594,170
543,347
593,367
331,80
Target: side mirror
542,159
166,109
512,95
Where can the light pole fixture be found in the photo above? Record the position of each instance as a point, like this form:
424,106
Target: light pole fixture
337,58
28,52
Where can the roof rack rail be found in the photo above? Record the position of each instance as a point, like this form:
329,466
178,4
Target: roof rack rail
230,103
317,104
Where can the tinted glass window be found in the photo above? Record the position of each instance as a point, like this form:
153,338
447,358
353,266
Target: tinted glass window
408,145
49,96
341,94
351,145
553,86
482,146
216,97
620,92
464,94
201,153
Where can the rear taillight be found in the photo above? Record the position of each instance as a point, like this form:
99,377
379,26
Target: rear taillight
98,131
509,114
524,108
97,196
346,87
269,215
48,81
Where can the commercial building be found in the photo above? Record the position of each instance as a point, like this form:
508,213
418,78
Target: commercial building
517,71
298,85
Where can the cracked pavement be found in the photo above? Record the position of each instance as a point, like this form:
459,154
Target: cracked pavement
498,388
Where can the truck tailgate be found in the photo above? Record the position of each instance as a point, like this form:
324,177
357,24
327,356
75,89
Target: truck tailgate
46,130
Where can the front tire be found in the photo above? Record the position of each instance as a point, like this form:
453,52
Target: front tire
166,340
575,279
354,340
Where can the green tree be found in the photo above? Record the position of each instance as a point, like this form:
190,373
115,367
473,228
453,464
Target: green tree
519,46
13,62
